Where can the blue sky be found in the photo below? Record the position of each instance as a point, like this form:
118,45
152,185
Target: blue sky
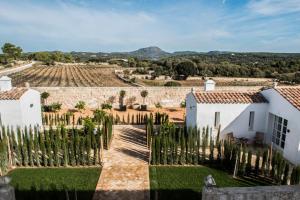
126,25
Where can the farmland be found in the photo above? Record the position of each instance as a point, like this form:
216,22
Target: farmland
74,75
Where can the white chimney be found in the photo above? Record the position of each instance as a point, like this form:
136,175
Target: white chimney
5,84
193,90
209,85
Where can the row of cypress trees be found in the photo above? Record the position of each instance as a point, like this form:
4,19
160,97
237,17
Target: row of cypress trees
54,147
55,119
141,118
174,145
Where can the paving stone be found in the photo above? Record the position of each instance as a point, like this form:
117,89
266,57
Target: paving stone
125,173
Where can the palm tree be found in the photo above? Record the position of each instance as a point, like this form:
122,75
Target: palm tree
80,105
122,95
144,94
44,97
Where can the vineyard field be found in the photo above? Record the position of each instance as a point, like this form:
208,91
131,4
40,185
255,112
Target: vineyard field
68,76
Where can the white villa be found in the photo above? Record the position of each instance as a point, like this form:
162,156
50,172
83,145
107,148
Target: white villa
19,106
273,113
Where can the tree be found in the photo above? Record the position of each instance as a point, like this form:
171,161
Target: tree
249,164
257,161
80,105
44,97
286,174
55,106
295,176
186,68
11,51
144,94
122,95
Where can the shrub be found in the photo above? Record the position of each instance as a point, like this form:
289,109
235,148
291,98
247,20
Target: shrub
158,105
295,176
54,107
106,106
172,84
80,105
183,104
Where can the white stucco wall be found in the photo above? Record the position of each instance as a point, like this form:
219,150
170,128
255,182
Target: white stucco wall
281,107
191,110
19,113
31,115
10,111
233,117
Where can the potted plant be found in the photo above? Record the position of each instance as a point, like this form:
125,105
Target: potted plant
144,94
121,100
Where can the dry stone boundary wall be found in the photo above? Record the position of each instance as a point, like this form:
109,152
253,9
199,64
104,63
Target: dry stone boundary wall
95,96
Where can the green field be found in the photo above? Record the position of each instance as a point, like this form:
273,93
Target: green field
187,182
53,183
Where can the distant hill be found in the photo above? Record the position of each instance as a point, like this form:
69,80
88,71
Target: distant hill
155,53
149,52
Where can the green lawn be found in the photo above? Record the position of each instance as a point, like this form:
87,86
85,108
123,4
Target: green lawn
52,183
187,182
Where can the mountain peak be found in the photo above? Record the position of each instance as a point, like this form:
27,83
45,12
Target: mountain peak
149,52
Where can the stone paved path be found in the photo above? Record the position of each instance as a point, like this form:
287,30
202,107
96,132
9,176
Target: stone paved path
125,174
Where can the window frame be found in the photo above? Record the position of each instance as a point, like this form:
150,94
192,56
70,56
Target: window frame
251,120
217,119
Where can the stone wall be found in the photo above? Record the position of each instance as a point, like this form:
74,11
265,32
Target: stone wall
95,96
252,193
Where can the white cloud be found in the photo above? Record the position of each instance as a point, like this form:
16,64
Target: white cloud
181,26
274,7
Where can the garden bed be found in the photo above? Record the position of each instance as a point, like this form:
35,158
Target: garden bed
186,182
54,183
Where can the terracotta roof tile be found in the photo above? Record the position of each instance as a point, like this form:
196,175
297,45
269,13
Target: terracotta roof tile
13,94
230,97
292,95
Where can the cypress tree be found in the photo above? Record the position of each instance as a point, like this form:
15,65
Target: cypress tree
30,147
211,147
82,152
264,162
242,168
280,168
88,147
36,149
249,164
77,147
71,145
25,147
16,156
219,154
198,146
295,176
182,147
158,149
56,148
43,148
203,145
153,151
64,146
274,164
176,160
20,156
49,143
286,174
257,161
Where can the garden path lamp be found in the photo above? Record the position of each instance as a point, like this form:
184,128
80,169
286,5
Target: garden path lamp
209,182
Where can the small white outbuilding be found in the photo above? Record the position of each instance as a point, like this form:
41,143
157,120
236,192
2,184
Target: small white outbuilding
19,107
